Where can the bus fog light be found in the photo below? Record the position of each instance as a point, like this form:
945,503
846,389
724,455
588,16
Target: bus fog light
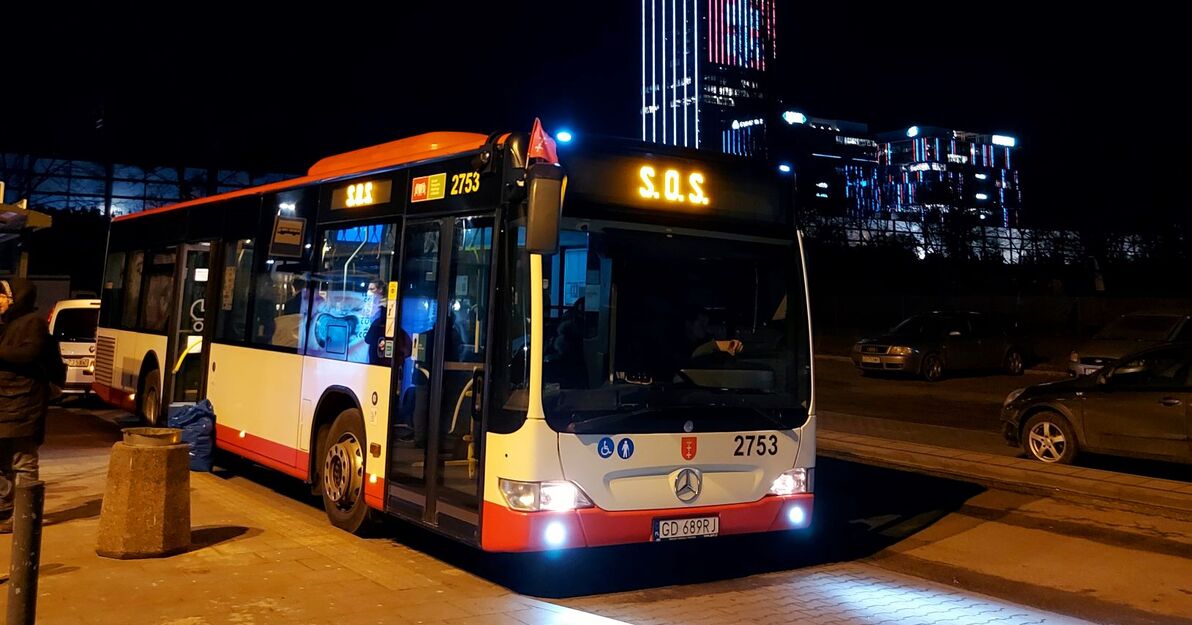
790,482
555,534
797,516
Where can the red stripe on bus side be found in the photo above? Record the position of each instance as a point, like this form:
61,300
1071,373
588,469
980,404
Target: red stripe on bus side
374,494
264,452
114,397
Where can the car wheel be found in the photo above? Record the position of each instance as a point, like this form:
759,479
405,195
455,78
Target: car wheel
149,399
1014,362
932,368
342,472
1049,438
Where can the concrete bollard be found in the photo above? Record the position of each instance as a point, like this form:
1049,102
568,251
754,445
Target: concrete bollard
146,502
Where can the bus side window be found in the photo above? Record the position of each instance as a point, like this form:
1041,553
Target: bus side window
113,289
159,290
349,307
233,306
132,291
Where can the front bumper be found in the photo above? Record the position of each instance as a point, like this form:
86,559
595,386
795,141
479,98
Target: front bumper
510,530
886,362
1011,425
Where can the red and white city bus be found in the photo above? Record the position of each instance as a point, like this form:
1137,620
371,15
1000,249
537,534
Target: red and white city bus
424,328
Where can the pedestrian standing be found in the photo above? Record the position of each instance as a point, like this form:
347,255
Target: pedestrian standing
26,371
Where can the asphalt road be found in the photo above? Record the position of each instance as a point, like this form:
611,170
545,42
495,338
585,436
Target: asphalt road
959,412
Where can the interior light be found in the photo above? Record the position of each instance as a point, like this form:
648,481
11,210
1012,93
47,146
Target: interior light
784,168
1004,140
981,196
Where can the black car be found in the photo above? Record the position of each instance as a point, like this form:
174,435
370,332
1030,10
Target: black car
933,343
1136,406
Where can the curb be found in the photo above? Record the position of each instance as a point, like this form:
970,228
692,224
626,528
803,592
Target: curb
1166,497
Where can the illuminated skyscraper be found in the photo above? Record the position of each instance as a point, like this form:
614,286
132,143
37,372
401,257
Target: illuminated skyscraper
703,69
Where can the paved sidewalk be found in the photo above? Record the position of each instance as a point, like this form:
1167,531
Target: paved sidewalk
1010,473
260,557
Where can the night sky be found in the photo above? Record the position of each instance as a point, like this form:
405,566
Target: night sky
1094,97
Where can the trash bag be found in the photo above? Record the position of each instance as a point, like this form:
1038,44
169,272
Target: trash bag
197,422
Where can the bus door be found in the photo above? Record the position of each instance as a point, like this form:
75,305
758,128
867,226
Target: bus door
183,375
441,350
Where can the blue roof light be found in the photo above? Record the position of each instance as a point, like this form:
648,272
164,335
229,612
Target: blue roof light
913,131
784,168
564,136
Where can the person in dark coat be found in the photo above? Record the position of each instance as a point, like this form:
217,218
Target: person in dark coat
24,388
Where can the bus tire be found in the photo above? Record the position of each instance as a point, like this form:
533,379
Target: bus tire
149,399
341,472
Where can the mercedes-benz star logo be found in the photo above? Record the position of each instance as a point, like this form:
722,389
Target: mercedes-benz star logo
688,484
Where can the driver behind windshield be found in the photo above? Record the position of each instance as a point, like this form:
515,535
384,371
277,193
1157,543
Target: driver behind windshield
700,339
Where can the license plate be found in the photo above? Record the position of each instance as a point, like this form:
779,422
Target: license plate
78,362
674,529
871,360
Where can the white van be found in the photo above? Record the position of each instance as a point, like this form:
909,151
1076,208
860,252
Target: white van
73,322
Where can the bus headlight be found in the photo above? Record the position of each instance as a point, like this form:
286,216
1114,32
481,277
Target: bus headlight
792,482
556,496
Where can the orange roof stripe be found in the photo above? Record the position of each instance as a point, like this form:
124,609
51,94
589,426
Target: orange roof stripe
409,150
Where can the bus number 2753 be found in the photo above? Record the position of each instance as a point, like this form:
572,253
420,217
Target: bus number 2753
756,445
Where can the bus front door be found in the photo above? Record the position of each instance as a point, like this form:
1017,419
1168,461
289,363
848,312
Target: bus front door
440,351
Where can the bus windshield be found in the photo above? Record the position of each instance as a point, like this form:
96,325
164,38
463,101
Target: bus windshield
655,331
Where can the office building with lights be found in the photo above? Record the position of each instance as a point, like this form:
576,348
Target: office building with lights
832,163
703,71
927,173
919,174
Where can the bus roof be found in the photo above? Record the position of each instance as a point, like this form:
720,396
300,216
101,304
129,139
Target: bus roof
403,151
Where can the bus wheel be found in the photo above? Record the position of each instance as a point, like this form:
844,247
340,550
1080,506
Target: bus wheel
149,399
342,472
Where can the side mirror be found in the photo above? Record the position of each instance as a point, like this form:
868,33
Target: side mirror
546,185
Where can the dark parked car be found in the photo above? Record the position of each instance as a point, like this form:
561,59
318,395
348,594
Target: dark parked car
1136,406
933,343
1128,334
